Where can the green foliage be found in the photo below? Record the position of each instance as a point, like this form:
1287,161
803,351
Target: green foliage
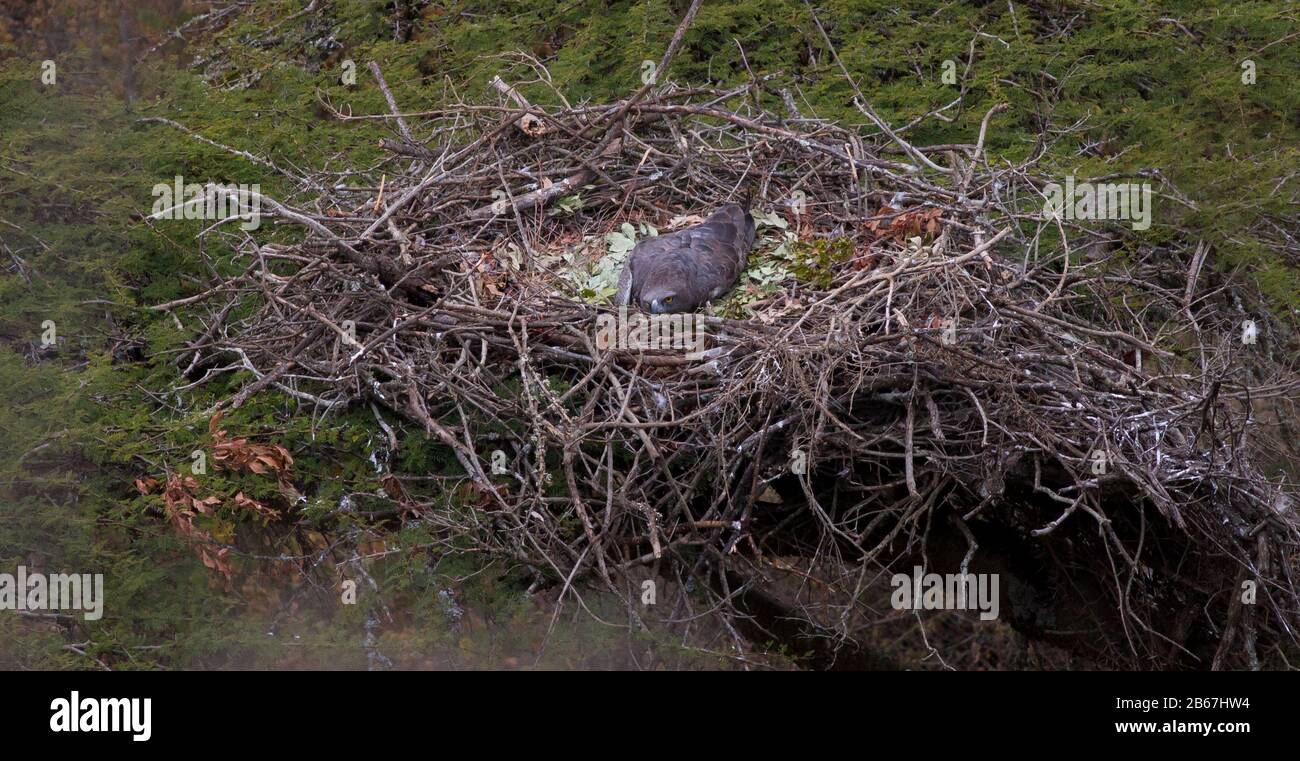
814,261
593,269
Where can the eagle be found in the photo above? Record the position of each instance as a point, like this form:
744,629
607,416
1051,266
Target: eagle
681,271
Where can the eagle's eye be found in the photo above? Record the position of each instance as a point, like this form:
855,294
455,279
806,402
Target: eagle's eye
668,299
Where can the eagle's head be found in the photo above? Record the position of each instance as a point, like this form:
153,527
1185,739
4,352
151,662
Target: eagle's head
664,300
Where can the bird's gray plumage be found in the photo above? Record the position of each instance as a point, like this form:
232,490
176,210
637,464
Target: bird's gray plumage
681,271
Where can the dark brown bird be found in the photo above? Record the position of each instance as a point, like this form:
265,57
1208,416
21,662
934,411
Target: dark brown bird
681,271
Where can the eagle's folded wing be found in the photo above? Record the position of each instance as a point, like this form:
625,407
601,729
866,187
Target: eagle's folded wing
624,295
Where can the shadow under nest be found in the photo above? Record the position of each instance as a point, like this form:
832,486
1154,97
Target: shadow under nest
953,397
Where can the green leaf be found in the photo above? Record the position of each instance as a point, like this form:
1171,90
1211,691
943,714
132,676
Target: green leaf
769,219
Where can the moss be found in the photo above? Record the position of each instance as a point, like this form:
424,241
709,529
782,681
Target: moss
814,262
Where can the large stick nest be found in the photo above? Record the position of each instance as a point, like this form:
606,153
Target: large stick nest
949,379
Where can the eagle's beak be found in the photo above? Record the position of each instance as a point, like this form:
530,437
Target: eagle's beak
659,307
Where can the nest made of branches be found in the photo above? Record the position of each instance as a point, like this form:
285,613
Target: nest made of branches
964,383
